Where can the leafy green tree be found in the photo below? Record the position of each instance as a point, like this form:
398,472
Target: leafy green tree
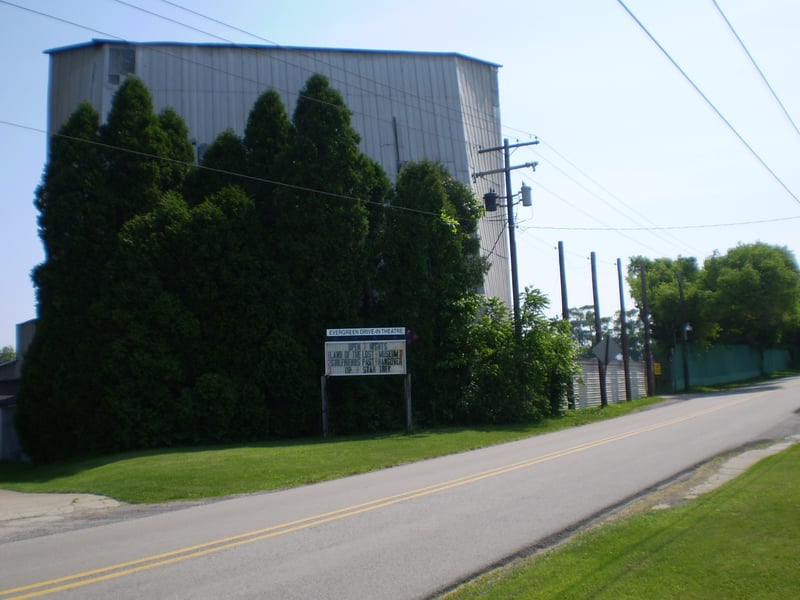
548,354
178,159
663,298
582,325
140,156
7,353
267,136
755,294
514,381
266,143
634,329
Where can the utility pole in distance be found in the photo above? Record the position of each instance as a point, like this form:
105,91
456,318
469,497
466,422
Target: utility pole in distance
512,243
644,312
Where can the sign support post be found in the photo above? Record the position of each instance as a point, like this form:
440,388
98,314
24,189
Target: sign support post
324,386
365,351
407,389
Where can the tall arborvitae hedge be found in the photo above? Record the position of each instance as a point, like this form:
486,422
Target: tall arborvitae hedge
184,304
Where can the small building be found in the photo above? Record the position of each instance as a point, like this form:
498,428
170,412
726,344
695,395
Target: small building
10,375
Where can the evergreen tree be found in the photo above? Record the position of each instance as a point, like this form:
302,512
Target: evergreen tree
323,234
75,236
222,165
97,179
431,268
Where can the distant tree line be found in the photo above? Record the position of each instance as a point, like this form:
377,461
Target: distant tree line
184,304
750,295
582,325
7,353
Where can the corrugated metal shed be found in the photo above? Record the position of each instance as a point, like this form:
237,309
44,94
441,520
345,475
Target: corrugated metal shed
407,106
587,383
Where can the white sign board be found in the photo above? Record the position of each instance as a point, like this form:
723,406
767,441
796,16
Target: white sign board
365,351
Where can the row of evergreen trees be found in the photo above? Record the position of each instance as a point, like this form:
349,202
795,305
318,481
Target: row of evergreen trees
181,304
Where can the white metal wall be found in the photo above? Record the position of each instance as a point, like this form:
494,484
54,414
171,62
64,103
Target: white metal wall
587,384
406,106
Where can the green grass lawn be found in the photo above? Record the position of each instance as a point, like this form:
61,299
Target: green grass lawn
739,541
194,473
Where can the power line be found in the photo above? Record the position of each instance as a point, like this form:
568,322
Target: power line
653,226
756,67
673,227
269,41
224,171
448,113
398,207
391,89
675,242
606,227
218,22
709,103
180,23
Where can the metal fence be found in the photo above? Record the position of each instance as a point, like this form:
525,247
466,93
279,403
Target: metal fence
587,383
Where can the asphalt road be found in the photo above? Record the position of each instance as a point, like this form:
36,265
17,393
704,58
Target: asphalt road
406,532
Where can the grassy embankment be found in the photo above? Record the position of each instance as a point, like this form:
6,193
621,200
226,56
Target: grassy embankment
194,473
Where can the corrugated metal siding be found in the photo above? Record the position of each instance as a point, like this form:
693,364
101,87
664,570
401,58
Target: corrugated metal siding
587,384
480,101
77,78
444,106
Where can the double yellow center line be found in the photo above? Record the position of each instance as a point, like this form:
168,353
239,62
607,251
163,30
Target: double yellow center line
84,578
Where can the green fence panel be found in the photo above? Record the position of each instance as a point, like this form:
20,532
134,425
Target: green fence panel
727,364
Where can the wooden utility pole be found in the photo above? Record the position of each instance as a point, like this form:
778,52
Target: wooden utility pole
623,330
648,355
598,335
565,313
512,235
684,335
563,272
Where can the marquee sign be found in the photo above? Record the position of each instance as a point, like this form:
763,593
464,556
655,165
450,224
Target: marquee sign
365,351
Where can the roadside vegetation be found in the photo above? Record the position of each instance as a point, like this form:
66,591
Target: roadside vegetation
186,305
205,472
739,541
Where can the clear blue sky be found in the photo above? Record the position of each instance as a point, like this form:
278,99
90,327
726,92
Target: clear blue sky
628,145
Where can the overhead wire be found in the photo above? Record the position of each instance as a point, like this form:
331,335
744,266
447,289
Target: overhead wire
256,36
160,16
271,42
607,203
652,226
448,113
448,110
306,189
709,103
756,67
446,107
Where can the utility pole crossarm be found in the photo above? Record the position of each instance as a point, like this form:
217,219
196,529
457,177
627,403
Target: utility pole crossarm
532,165
509,146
